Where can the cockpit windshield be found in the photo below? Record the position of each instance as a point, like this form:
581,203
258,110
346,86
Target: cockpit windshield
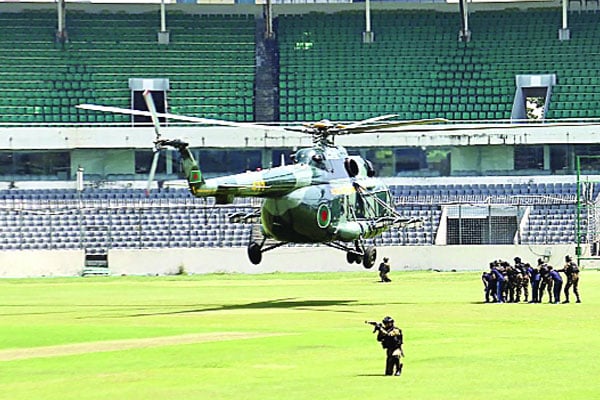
310,157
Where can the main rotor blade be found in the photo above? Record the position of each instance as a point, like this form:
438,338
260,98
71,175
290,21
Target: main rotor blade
152,109
176,117
156,122
152,171
368,128
368,121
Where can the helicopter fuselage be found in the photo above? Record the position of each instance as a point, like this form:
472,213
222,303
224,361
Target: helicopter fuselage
324,196
326,212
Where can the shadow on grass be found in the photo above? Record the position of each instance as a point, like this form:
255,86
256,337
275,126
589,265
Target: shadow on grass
313,305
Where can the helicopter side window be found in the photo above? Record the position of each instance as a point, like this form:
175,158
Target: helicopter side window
370,169
302,157
338,168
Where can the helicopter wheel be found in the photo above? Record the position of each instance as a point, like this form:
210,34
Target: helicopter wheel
351,257
370,256
254,253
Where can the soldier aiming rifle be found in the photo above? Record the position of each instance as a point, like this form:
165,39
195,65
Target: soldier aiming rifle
391,340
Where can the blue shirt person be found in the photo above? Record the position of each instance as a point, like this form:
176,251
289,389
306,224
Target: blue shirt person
489,286
534,279
557,284
500,279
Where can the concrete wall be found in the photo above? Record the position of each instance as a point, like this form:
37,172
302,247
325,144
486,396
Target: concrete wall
322,259
40,263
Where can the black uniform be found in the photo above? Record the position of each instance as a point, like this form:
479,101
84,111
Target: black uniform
391,340
384,270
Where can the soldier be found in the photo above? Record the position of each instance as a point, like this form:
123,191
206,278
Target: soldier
513,284
571,270
384,270
524,279
545,280
489,285
498,273
534,277
557,284
391,340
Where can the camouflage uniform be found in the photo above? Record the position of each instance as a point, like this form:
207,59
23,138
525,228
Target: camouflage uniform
545,281
391,340
523,278
571,270
514,284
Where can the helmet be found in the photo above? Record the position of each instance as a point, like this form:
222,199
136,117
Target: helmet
388,320
517,259
386,259
568,258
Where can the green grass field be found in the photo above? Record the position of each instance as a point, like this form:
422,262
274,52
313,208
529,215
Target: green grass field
290,336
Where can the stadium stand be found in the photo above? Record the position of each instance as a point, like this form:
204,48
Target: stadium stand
101,219
417,69
210,64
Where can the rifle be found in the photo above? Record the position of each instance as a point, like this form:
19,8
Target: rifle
376,325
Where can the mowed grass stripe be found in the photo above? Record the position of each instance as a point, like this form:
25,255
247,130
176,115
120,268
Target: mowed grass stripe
126,344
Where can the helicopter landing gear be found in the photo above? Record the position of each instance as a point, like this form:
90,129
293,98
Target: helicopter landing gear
361,254
352,256
369,257
255,250
255,253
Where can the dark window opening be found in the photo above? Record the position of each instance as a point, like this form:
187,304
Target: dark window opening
529,157
222,162
140,104
51,164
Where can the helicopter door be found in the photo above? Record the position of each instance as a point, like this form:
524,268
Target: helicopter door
359,206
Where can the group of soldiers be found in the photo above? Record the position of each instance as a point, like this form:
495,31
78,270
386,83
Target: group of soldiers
506,283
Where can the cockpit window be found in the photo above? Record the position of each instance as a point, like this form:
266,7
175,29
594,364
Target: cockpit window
309,157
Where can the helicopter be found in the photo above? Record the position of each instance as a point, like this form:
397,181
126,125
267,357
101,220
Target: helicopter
326,196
